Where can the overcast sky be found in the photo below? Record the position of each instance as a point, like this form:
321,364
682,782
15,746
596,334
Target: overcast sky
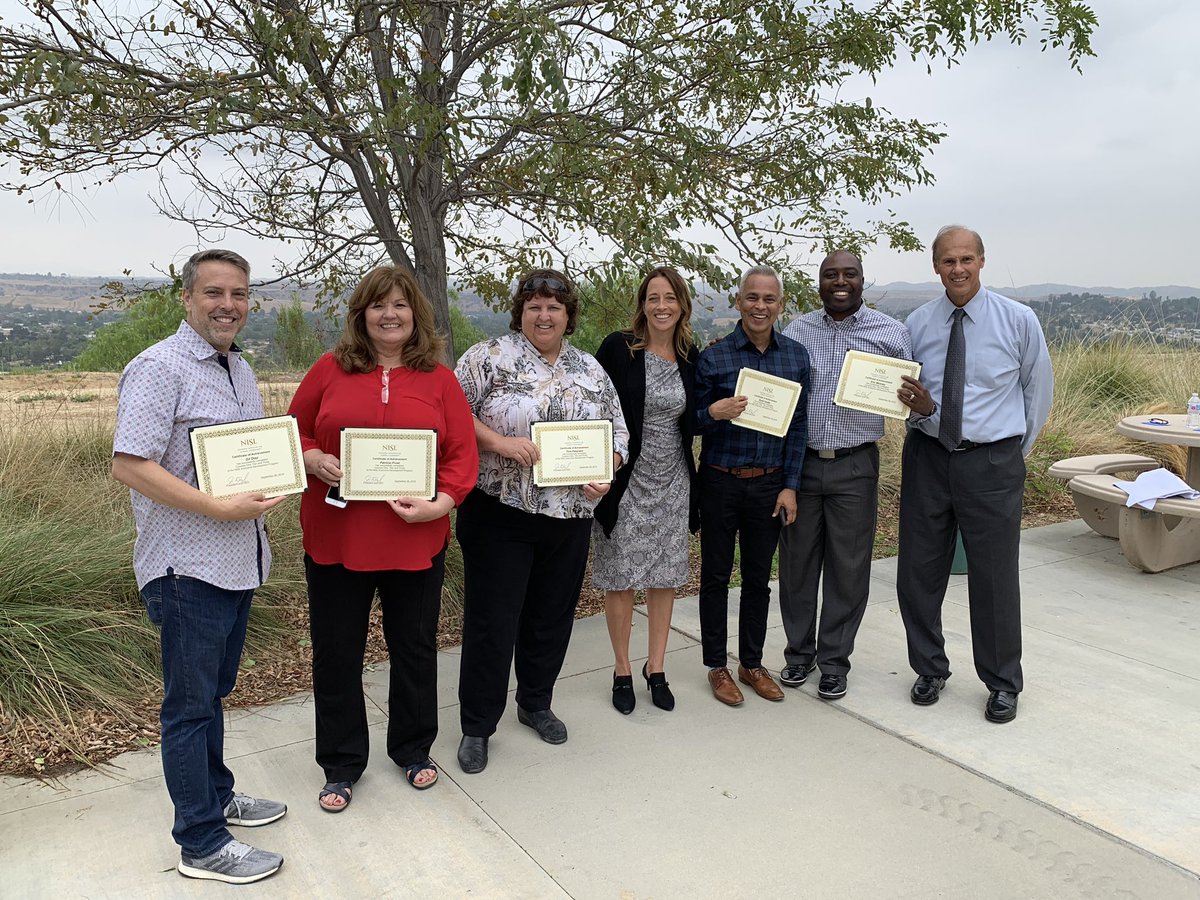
1085,179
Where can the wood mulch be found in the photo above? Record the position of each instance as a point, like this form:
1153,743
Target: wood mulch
36,750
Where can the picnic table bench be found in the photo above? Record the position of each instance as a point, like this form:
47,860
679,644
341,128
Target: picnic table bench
1163,538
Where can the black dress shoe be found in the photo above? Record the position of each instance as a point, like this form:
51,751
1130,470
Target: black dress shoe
623,698
926,689
1001,706
548,726
832,687
472,753
660,691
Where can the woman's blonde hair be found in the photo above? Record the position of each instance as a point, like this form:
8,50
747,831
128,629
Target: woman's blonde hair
354,351
683,295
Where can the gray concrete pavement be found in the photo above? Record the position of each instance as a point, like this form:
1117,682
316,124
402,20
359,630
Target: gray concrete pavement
1094,791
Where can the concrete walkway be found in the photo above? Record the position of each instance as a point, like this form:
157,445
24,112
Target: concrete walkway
1094,791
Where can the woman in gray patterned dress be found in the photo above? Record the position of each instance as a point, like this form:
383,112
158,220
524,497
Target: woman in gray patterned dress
640,537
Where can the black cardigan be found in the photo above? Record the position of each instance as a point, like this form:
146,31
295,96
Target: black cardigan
627,369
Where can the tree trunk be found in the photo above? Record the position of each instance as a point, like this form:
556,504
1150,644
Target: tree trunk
429,254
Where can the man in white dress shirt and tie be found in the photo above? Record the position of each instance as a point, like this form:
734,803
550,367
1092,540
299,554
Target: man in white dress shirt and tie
984,394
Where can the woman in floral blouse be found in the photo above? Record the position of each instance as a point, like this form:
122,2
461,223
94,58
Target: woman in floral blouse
525,547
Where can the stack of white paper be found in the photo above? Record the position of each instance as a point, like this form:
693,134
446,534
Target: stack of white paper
1155,485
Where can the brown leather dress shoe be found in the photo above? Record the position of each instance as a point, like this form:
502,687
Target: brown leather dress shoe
761,681
723,687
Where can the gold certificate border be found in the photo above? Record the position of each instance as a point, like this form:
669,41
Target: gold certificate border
428,436
745,421
852,358
537,429
200,436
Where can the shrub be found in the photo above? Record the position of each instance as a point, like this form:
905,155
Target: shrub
73,632
297,344
156,315
464,330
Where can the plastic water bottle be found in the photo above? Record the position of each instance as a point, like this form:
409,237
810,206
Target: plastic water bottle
1193,418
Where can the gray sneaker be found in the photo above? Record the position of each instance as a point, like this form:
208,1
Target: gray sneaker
243,810
235,863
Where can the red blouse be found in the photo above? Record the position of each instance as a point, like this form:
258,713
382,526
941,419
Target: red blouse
367,536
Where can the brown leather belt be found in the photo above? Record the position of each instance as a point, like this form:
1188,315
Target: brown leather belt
840,451
746,471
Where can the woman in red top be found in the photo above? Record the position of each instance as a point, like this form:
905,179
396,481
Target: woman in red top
383,373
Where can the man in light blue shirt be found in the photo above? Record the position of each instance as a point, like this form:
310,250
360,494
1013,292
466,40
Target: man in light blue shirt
984,394
837,500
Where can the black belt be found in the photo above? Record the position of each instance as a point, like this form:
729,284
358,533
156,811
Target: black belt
975,445
840,451
967,445
746,471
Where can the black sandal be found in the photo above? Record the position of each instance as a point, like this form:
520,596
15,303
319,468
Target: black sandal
335,789
412,771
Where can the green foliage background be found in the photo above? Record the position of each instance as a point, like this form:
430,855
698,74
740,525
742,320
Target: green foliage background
155,315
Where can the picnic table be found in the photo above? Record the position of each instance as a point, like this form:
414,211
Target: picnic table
1152,540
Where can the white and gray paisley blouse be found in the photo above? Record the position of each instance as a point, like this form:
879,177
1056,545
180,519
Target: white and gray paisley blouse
509,386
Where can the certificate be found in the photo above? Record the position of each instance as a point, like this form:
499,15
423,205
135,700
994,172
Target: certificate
258,455
772,402
386,463
869,382
575,452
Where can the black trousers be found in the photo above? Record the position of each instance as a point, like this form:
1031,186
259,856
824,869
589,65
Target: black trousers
339,609
736,510
522,577
980,492
831,539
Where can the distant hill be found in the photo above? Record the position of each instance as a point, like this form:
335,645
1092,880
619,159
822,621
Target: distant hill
899,298
80,293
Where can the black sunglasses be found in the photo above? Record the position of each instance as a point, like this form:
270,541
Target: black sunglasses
544,284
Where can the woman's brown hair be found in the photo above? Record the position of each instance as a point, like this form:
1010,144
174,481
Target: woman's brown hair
423,351
683,295
545,283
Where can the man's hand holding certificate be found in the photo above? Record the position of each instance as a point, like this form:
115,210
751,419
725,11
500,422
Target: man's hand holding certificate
770,402
869,382
260,456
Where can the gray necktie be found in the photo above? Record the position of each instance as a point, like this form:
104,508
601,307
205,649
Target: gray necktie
950,430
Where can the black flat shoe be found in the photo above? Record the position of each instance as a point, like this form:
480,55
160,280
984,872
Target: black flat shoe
623,698
926,690
472,753
1001,706
550,728
660,691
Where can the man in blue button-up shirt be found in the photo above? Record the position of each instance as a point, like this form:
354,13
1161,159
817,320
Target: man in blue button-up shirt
839,489
748,482
973,476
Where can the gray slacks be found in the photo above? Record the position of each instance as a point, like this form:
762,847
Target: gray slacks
833,536
980,492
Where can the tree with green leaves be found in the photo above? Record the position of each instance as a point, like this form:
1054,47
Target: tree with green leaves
465,331
492,135
155,317
297,344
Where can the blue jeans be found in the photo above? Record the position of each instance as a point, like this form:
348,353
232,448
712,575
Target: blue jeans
203,629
